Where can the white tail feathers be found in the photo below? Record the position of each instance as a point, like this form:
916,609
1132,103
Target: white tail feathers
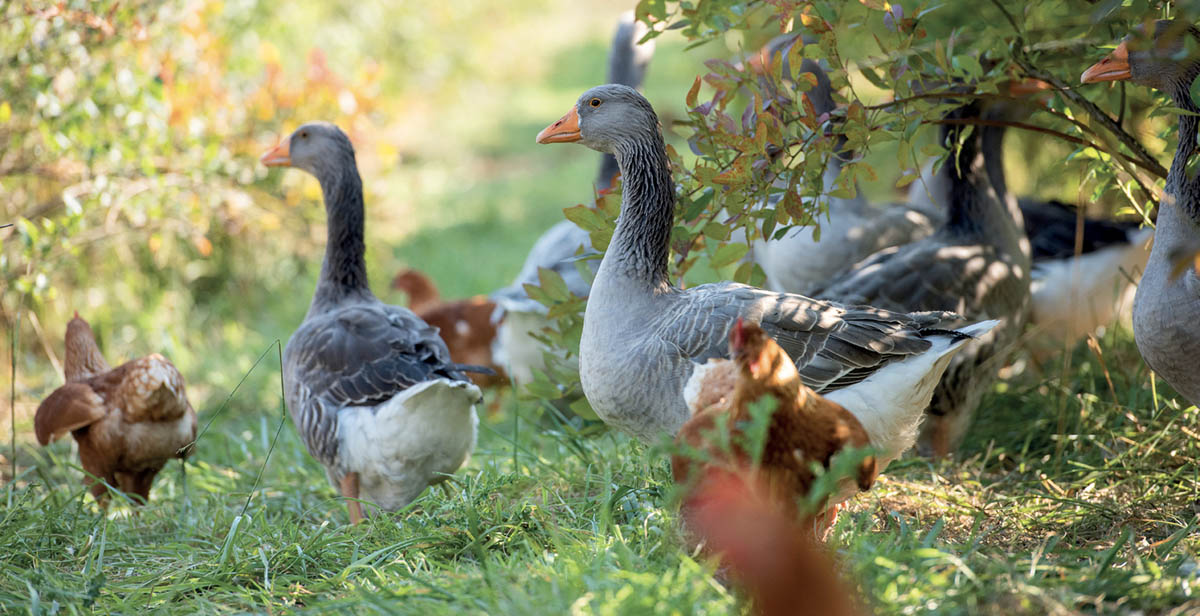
891,403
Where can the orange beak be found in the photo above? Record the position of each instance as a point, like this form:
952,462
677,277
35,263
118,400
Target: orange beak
1114,67
565,130
760,62
1027,87
279,156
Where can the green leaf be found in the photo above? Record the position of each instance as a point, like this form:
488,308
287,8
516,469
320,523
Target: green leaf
715,230
909,177
728,254
586,218
553,284
1194,91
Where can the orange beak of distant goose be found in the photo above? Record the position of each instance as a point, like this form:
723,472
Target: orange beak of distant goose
1114,67
279,156
565,130
1027,87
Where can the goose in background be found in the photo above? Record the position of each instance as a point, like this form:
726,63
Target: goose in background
794,261
1072,295
563,245
644,340
976,264
370,387
1166,308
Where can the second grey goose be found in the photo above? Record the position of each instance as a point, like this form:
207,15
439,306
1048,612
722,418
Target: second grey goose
976,264
853,229
369,386
1071,295
643,338
563,245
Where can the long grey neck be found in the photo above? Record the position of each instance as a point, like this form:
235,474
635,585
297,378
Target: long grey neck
1184,190
627,67
993,157
640,243
976,206
344,271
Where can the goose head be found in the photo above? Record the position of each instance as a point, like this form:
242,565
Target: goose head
1165,59
606,119
319,148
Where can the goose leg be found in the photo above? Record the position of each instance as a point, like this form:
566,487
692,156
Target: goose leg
350,491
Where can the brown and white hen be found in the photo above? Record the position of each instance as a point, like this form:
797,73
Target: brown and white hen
804,426
129,421
464,325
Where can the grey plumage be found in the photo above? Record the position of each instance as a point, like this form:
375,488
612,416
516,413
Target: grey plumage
642,337
360,354
976,264
854,229
353,355
564,247
1167,305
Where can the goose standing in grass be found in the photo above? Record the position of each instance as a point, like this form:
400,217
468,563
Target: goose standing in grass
1166,309
370,387
643,339
795,262
562,246
977,264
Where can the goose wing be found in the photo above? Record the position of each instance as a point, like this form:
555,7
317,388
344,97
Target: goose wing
970,279
1052,225
358,355
833,345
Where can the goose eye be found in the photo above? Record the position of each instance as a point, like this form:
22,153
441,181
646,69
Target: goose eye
595,102
304,135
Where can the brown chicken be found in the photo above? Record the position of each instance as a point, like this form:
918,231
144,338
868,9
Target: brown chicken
765,552
465,325
129,421
804,426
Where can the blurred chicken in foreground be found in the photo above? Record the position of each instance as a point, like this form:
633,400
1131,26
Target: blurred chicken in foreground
129,421
765,552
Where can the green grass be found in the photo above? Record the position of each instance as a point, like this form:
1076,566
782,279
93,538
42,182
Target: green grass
1100,518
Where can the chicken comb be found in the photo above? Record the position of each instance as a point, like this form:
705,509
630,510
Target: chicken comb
737,335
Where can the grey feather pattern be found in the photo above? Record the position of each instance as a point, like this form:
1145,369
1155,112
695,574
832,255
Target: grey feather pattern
833,345
360,354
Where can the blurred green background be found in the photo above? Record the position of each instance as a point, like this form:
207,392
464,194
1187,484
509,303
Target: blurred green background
133,131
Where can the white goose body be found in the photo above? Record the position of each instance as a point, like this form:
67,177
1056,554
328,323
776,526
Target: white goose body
413,440
1075,297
